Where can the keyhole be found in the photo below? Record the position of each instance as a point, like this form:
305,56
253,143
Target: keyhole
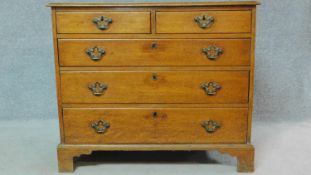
154,114
153,45
154,77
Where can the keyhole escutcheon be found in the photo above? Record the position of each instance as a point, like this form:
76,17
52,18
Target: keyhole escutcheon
154,114
154,76
153,45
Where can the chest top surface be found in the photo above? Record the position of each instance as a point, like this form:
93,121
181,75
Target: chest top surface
160,4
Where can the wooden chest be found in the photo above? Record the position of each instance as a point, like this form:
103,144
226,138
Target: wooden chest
155,76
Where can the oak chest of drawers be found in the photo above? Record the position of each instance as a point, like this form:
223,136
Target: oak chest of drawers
155,76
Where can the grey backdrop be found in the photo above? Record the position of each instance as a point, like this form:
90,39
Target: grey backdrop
282,81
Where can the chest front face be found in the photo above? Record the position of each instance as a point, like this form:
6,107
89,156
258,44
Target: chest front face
170,76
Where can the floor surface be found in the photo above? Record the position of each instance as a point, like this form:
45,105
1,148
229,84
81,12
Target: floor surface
29,148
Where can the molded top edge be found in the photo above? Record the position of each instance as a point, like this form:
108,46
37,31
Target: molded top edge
157,4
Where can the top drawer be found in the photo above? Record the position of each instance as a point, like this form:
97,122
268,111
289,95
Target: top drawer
204,22
103,22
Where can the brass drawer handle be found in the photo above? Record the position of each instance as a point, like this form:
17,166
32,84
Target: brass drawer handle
98,88
100,126
204,21
95,53
210,126
210,88
102,22
212,52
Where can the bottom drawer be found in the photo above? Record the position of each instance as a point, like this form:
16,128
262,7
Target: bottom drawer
154,125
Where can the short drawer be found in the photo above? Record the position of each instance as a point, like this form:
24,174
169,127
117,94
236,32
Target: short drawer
154,52
159,125
155,86
204,22
103,22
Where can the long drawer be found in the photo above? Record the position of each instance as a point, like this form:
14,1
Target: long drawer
158,125
204,22
103,22
154,52
155,86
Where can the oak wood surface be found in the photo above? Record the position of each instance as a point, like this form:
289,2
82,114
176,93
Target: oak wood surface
252,75
156,36
176,94
168,52
170,125
151,68
157,4
137,105
157,9
170,86
122,22
243,152
183,22
57,75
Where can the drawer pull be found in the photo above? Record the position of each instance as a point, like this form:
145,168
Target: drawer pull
95,53
212,52
100,126
102,22
210,126
204,21
210,88
98,88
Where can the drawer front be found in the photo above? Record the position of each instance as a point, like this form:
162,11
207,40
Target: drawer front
103,22
159,52
155,87
206,22
141,125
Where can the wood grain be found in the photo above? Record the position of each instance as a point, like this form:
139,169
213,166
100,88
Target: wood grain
176,96
252,76
150,68
183,22
170,86
122,22
243,152
82,105
138,52
155,36
170,125
157,4
57,76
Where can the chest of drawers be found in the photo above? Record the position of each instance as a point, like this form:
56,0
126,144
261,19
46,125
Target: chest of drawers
155,76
